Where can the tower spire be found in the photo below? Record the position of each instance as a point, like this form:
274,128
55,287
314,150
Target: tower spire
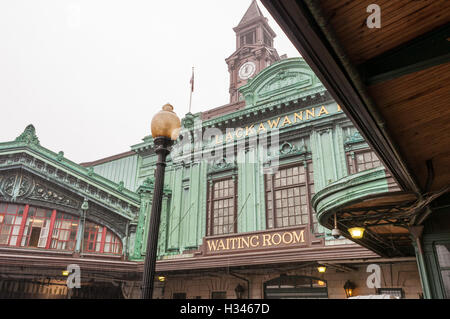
254,49
252,13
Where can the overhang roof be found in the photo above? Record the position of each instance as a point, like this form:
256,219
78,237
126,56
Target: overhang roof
391,81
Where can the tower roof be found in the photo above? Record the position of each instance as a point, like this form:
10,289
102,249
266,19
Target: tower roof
252,13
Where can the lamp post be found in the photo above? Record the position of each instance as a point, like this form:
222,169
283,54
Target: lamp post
165,128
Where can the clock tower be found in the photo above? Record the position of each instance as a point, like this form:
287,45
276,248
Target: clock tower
254,49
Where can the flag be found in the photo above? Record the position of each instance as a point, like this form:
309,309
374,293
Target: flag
192,80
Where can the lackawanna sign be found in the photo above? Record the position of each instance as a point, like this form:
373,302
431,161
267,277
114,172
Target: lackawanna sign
277,123
272,239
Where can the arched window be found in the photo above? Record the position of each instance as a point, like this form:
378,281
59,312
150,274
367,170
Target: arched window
36,227
99,239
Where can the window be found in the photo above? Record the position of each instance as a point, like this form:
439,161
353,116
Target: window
248,38
112,243
443,256
10,220
99,239
396,292
37,226
92,237
222,207
288,195
267,40
64,234
359,161
29,226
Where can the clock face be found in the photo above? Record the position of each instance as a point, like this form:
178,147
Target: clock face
247,70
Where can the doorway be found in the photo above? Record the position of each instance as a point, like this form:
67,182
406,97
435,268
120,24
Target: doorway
34,236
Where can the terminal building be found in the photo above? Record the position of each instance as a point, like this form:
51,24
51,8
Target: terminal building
251,189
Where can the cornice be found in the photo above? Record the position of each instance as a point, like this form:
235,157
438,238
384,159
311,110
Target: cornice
306,98
113,200
364,183
58,161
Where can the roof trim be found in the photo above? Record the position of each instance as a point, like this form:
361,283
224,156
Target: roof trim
310,38
108,159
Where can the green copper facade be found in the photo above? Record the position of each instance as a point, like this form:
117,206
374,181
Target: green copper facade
285,101
287,117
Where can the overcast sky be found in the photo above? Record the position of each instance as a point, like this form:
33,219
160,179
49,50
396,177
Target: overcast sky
90,74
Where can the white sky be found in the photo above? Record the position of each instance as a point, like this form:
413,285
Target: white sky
90,74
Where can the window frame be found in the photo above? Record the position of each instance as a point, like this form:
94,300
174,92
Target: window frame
61,217
29,212
27,227
351,160
309,182
440,267
244,35
13,225
210,204
100,235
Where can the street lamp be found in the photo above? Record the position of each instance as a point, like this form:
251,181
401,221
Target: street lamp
349,287
165,128
356,232
321,268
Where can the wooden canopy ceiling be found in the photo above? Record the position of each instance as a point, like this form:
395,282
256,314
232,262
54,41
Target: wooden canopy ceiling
392,81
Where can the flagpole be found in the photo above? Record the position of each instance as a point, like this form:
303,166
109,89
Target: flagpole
192,89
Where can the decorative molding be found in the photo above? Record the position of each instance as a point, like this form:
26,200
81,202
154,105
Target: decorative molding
28,136
52,174
353,139
45,193
220,165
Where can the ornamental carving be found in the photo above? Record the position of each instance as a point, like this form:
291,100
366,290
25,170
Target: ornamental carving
16,185
220,165
288,149
283,80
45,193
28,136
354,138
